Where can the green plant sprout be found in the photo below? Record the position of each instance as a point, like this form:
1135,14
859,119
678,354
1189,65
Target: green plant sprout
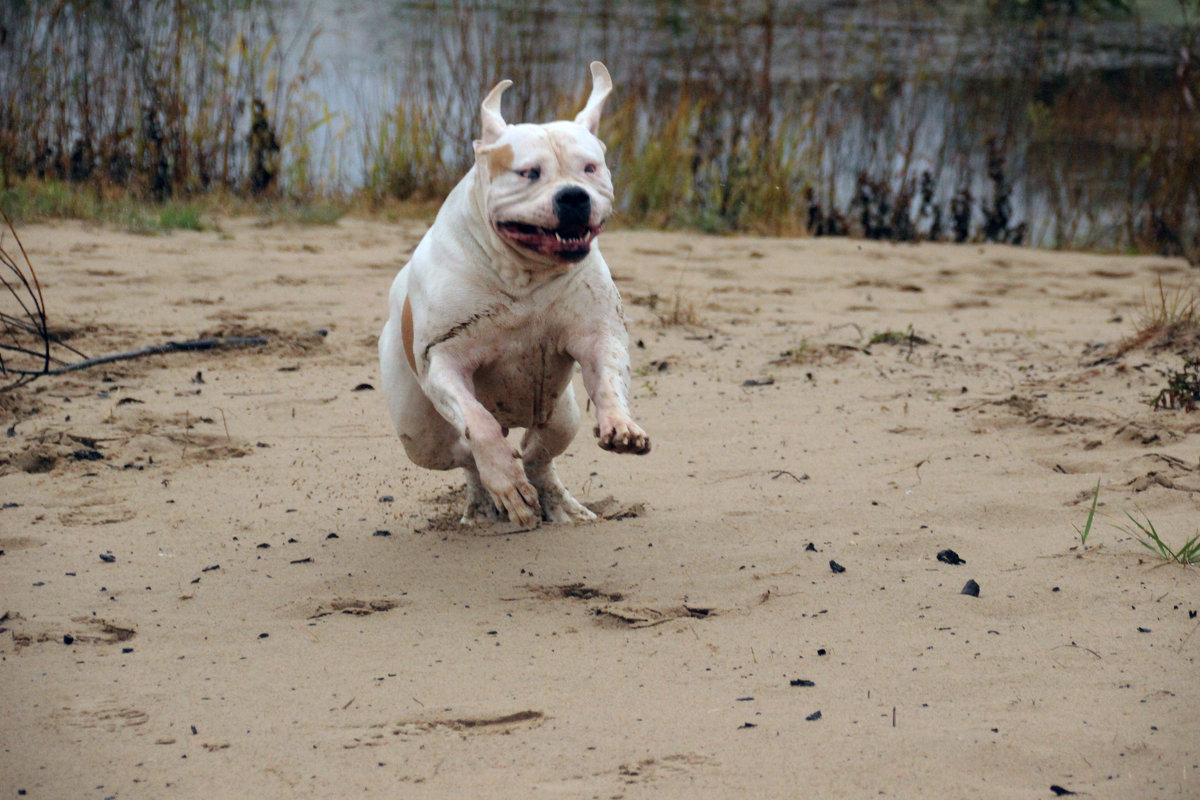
1087,526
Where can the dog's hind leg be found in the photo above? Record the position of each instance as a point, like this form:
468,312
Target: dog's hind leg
539,447
480,507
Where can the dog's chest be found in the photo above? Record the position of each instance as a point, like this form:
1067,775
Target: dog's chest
521,376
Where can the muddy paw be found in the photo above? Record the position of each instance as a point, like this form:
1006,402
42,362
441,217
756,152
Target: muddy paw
561,507
504,481
480,509
623,437
520,502
480,513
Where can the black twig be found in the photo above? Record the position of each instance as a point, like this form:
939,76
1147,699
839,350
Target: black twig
214,343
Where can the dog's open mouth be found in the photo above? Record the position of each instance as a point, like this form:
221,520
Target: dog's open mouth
569,243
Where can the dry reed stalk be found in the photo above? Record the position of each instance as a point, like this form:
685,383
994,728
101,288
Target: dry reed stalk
25,338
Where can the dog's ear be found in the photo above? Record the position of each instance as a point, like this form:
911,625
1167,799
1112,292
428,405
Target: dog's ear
493,123
601,87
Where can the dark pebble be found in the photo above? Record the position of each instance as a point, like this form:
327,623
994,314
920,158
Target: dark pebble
387,498
364,387
949,557
382,533
821,651
68,639
810,548
813,717
1059,791
107,558
263,635
800,682
87,455
1143,630
126,649
333,536
745,725
836,567
302,560
971,588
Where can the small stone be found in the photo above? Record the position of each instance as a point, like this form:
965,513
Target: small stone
950,557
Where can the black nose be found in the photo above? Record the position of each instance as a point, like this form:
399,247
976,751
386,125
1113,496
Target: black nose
573,207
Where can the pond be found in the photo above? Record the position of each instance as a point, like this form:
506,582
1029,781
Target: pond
895,120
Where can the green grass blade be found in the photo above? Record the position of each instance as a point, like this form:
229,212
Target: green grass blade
1087,526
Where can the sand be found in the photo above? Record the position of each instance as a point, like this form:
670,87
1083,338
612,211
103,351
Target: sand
221,577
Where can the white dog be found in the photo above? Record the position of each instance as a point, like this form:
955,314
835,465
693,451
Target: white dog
505,293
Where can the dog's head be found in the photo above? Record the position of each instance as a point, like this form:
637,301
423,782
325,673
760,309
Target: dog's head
547,190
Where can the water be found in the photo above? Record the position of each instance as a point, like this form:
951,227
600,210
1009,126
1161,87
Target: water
768,115
889,91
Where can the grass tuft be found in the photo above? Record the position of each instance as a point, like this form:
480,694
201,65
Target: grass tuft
1146,534
1173,311
1183,388
180,216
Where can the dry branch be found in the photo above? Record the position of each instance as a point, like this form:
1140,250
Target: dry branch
214,343
25,340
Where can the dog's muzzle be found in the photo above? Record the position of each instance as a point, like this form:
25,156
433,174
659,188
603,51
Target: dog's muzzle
571,240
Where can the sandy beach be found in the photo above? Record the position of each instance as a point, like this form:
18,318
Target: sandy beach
220,576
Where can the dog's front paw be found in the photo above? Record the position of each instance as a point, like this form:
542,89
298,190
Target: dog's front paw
622,436
520,501
510,490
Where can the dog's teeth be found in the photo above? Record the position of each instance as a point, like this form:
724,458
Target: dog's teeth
558,236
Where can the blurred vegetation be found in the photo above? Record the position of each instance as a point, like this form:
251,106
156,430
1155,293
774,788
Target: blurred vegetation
902,121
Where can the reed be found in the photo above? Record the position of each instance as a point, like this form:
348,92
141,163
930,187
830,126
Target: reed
156,98
759,117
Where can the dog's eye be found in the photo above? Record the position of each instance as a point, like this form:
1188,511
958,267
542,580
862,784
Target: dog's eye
531,174
590,169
